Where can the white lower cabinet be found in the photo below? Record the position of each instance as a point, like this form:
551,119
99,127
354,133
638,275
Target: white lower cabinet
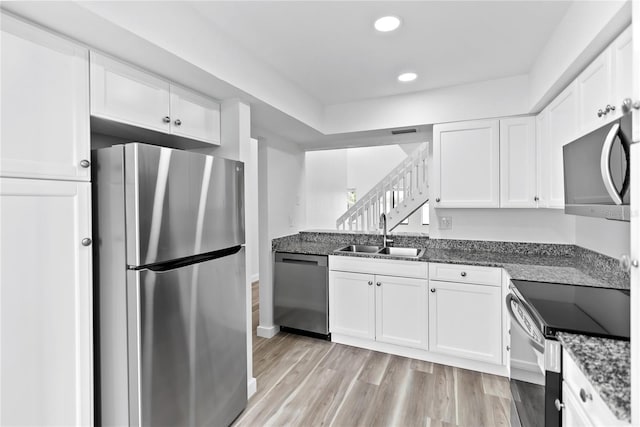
46,327
465,320
465,312
583,406
378,307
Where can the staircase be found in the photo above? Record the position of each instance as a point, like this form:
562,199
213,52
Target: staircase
404,190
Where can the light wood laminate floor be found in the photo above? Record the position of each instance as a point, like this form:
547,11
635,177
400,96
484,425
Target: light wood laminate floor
309,382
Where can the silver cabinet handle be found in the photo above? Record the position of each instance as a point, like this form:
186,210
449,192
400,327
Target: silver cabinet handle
86,241
605,169
370,283
601,113
609,108
635,263
508,348
178,122
559,405
166,119
437,199
536,199
463,274
628,105
433,289
85,163
378,284
584,395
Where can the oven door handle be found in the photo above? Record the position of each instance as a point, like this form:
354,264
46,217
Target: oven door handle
538,345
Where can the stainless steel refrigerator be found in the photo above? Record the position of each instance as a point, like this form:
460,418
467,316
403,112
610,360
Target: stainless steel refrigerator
170,287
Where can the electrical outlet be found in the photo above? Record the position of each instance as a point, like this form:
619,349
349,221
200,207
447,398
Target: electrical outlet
445,223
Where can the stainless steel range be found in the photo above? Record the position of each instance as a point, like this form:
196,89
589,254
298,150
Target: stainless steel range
538,312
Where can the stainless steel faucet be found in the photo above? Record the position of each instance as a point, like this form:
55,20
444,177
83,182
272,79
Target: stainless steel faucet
383,224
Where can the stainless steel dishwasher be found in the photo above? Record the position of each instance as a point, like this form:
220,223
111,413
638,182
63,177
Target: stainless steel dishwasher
301,293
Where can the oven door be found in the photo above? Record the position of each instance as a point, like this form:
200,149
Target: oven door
527,369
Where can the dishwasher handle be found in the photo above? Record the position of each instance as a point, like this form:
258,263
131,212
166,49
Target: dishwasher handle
310,260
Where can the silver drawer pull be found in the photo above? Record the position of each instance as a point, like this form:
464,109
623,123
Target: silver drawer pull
463,274
379,284
370,283
584,395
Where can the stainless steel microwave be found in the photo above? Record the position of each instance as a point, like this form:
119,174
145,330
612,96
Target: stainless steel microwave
596,172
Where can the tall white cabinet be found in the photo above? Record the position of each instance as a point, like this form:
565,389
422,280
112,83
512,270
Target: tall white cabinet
46,325
45,303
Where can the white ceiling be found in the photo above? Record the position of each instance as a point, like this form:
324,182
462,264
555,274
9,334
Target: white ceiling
331,51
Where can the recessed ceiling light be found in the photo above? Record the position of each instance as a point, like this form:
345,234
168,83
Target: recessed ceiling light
407,77
387,23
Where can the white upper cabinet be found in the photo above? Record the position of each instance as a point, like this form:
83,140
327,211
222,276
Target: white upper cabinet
125,94
605,83
595,93
466,169
518,174
622,55
46,332
45,104
561,128
194,116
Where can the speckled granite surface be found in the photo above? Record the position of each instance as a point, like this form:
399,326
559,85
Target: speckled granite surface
523,261
606,364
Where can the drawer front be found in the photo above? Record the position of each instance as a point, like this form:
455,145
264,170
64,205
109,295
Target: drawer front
586,396
387,267
491,276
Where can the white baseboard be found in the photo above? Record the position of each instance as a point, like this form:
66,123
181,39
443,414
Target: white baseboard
267,331
255,278
252,387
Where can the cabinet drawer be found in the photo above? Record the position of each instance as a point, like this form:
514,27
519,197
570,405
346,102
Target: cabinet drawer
586,396
387,267
465,274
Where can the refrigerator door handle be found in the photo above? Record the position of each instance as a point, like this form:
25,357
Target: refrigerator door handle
184,262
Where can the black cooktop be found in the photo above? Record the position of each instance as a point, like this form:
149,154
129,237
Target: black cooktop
602,312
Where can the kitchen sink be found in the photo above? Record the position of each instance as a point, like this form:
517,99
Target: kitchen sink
405,252
363,249
389,251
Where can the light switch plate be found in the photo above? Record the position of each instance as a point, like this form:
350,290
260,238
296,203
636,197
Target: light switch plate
445,223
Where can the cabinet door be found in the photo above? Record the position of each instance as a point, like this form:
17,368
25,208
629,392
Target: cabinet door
465,320
518,175
45,104
46,305
542,167
351,304
622,51
572,414
466,158
194,116
401,311
562,127
126,94
594,93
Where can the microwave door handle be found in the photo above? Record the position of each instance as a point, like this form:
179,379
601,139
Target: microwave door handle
605,167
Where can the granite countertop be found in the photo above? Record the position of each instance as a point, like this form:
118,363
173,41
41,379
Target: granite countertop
523,261
606,364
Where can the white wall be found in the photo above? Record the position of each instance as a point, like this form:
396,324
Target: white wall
366,166
611,238
325,178
281,210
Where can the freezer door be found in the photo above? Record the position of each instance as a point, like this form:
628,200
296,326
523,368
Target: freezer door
187,344
180,203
